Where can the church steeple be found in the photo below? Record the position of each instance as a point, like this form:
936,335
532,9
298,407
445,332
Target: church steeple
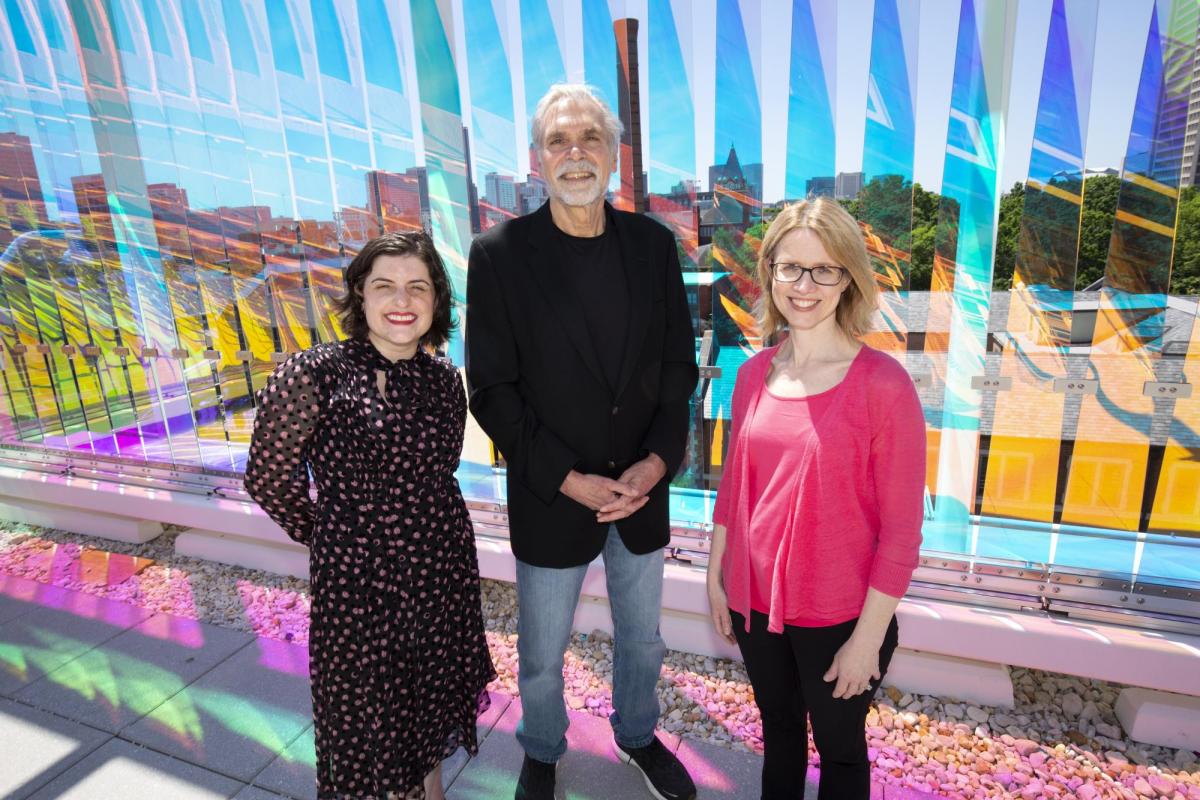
733,168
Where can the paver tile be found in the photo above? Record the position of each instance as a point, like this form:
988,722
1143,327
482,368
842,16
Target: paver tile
38,746
127,677
294,771
255,793
239,716
17,595
64,626
453,766
721,772
588,771
122,770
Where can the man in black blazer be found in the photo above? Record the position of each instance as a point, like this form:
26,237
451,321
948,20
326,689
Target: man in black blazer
580,361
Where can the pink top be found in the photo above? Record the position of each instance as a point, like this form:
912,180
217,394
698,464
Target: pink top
778,425
822,496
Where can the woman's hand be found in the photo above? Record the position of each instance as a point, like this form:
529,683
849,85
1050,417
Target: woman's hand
854,666
718,605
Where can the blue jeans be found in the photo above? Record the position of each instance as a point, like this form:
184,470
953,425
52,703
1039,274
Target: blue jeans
547,598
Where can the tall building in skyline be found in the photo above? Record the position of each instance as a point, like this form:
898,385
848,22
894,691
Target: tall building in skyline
500,191
1191,136
472,191
820,186
531,194
1169,150
847,185
632,194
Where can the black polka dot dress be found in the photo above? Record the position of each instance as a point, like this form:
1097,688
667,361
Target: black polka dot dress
399,661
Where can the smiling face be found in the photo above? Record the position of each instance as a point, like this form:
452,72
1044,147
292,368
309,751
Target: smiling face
576,154
398,300
806,305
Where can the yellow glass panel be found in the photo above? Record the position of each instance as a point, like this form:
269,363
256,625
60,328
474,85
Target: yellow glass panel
1021,477
1105,487
1177,501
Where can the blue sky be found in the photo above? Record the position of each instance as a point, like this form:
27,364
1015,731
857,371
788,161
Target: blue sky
1120,40
1121,27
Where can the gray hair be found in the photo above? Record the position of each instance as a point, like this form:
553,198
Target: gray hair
576,93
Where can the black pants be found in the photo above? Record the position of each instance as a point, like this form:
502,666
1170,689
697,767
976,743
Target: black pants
785,671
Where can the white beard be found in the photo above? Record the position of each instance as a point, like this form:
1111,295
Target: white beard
582,196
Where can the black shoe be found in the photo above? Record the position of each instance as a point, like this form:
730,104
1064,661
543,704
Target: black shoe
665,777
536,781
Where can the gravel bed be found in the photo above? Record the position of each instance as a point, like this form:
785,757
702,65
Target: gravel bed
1062,740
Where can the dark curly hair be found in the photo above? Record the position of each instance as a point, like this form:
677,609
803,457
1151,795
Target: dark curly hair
350,305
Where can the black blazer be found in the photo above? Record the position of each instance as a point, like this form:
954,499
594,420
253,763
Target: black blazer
537,387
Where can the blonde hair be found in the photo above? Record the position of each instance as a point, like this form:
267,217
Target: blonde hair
843,240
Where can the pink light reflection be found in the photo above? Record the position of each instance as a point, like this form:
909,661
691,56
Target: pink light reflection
704,772
290,659
65,568
19,588
181,631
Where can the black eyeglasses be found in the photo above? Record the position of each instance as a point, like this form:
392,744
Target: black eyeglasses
821,274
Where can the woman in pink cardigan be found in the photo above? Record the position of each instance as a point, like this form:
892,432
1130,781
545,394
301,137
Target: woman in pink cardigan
817,522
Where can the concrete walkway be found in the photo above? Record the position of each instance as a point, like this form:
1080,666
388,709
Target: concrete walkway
101,699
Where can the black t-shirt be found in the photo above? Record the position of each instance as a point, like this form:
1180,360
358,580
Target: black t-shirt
594,269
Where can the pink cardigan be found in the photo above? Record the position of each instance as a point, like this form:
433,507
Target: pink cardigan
853,518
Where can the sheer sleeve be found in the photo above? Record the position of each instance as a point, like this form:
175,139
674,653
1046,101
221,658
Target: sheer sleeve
289,407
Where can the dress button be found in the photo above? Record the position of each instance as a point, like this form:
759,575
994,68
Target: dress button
615,410
612,465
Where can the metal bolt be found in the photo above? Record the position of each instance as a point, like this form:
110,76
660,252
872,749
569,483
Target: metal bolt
1057,589
1124,598
1141,600
978,579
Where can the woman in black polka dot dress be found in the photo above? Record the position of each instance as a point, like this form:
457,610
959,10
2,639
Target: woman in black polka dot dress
399,660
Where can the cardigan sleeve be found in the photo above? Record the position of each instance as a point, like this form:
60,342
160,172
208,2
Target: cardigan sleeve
897,465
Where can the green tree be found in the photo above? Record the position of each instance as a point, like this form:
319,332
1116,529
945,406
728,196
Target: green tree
1095,227
886,204
1185,263
925,206
1008,236
924,237
923,240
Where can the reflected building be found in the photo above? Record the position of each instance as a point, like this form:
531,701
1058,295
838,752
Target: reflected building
847,185
397,199
820,186
733,175
632,195
501,191
472,191
1191,136
21,202
1174,150
532,194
